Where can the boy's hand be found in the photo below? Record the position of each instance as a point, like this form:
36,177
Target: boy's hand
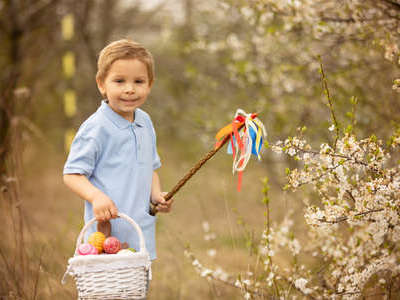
161,204
104,208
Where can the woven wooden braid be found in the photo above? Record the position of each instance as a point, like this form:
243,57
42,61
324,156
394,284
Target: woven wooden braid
191,172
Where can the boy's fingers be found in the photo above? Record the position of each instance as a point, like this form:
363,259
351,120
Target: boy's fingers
107,215
160,208
161,204
165,207
114,212
160,201
99,217
168,203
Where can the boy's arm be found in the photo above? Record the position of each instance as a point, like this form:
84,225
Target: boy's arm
103,207
157,197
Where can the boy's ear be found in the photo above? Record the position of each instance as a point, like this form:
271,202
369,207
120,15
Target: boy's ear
100,86
151,83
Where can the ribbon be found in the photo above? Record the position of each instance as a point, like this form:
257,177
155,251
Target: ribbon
242,143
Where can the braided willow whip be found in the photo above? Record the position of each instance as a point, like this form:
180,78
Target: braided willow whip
191,172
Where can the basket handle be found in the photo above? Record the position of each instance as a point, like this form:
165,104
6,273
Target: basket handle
121,215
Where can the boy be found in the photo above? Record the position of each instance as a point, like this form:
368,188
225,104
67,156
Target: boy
113,157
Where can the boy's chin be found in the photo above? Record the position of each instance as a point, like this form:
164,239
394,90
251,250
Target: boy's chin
128,108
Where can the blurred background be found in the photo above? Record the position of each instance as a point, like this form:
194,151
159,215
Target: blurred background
211,58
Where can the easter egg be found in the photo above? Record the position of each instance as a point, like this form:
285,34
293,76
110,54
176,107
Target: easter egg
97,240
125,252
131,249
87,249
111,245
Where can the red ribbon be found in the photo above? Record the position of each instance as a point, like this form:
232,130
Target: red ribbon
238,120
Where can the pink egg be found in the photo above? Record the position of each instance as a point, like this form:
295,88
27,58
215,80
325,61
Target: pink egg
87,249
111,245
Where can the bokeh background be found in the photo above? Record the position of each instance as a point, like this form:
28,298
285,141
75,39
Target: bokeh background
212,57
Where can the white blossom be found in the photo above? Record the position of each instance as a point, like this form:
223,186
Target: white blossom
211,252
301,285
206,226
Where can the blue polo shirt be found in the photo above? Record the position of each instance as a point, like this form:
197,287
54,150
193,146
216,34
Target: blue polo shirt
119,157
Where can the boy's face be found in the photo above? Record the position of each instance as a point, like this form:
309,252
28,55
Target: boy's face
126,86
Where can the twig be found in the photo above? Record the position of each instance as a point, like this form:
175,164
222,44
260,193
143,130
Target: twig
258,292
318,177
35,289
330,102
351,196
13,274
344,218
393,3
349,158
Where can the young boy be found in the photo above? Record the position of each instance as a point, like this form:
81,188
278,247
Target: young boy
113,157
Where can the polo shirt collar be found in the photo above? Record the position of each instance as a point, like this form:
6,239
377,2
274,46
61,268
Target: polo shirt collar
118,120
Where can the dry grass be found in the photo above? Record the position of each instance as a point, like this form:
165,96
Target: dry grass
53,218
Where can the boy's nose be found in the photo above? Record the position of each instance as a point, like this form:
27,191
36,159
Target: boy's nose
130,89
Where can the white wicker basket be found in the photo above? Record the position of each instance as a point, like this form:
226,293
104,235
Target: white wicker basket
111,276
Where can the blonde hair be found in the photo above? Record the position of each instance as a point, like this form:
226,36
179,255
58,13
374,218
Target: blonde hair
123,49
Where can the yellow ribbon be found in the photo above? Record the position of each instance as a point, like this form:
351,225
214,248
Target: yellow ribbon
258,136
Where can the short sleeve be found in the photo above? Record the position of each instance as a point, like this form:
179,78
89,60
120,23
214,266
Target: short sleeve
82,157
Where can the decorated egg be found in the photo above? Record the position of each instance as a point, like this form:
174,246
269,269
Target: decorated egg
97,239
125,252
87,249
131,249
111,245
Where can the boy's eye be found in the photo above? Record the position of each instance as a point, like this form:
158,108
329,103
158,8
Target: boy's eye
119,80
139,81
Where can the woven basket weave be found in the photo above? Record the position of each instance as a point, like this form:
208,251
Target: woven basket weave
110,276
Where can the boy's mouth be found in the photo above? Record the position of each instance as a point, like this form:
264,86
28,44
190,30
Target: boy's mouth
130,100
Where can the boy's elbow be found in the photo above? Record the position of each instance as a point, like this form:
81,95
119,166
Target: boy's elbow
70,179
66,178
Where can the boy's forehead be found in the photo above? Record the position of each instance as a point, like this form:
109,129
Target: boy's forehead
130,66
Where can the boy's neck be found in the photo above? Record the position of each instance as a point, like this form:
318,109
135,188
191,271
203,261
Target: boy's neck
132,119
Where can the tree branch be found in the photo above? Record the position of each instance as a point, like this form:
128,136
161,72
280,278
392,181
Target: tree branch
35,11
393,3
344,218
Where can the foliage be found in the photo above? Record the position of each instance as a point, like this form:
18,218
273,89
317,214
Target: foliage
352,208
353,219
269,52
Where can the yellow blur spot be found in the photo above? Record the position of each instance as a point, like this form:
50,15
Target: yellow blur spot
68,62
70,103
67,27
68,138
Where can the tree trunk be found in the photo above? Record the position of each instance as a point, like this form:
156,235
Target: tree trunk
7,105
